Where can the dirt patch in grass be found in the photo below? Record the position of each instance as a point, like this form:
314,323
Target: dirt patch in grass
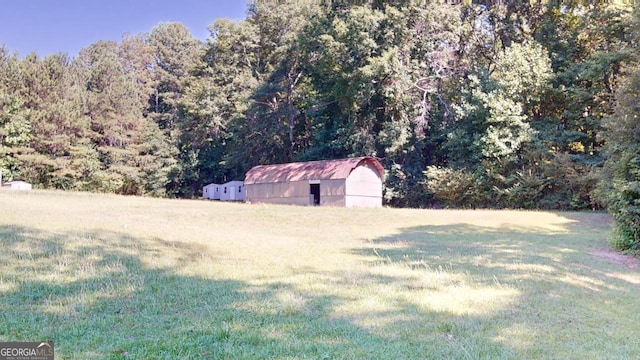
615,257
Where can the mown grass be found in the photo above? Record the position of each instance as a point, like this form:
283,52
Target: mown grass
136,278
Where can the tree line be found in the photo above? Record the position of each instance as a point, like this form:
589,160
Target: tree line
504,104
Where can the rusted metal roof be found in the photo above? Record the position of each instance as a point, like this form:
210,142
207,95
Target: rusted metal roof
310,170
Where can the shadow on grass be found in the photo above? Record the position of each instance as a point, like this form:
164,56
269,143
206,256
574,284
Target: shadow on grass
110,295
431,292
514,291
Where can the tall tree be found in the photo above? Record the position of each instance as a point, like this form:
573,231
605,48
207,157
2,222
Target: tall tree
136,158
59,125
175,53
15,128
216,95
273,129
621,183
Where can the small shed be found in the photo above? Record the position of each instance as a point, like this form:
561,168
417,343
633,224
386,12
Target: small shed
352,182
232,191
211,192
17,185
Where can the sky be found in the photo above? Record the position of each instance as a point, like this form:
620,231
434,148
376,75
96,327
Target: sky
51,26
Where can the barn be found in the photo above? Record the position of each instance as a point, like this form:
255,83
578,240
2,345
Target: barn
352,182
211,192
232,191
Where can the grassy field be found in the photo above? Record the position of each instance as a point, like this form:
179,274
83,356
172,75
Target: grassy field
136,278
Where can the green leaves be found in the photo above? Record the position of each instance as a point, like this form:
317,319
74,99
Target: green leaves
511,95
620,186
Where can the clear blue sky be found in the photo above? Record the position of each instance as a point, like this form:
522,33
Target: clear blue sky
51,26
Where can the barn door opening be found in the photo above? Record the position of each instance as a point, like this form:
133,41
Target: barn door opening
314,194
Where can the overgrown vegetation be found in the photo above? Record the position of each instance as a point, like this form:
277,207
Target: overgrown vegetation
621,187
525,100
113,277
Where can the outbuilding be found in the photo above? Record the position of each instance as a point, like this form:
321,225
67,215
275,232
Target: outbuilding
232,191
352,182
211,192
17,185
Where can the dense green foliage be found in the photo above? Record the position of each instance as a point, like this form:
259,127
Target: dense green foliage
506,102
621,185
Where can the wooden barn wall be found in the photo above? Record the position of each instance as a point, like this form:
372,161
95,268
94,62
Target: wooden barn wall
332,193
